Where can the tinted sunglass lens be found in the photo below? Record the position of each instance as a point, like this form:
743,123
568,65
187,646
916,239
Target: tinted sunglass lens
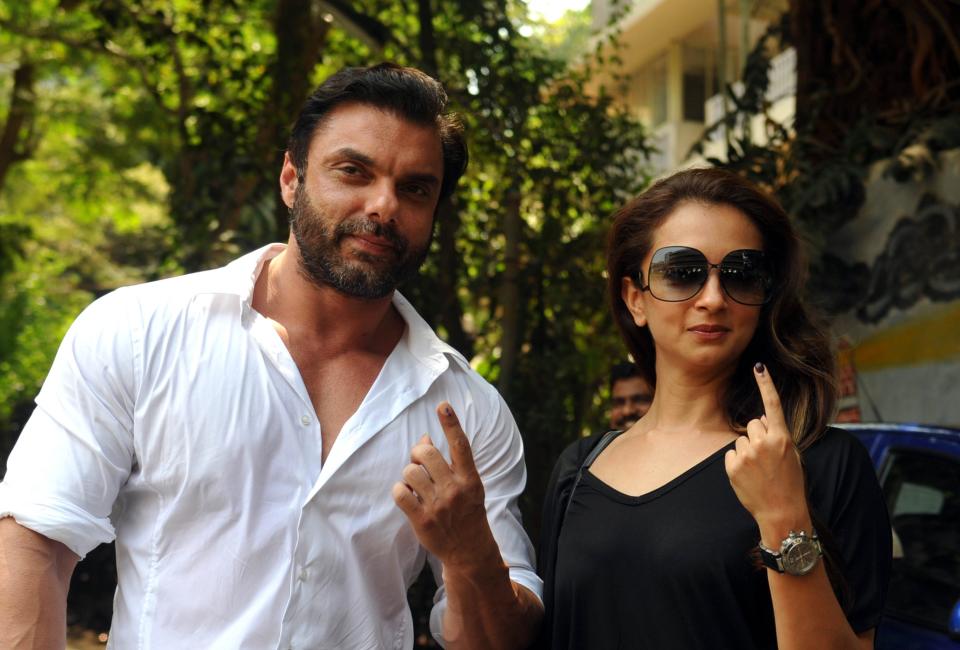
677,273
745,277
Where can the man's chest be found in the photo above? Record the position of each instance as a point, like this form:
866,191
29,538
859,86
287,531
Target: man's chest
336,387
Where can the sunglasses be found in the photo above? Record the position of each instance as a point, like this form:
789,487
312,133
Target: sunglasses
678,273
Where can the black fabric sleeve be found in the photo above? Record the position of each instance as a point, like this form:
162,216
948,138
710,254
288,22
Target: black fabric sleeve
849,506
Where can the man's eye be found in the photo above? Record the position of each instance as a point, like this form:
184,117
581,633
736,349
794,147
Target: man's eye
418,190
349,170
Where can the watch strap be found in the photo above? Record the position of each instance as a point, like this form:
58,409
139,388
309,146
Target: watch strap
770,558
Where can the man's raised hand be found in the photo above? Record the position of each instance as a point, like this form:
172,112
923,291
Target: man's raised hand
445,501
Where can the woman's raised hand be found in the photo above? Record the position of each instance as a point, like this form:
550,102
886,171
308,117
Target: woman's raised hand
765,471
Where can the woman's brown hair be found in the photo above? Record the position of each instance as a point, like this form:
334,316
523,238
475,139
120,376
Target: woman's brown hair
788,341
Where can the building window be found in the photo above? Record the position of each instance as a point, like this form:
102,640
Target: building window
695,80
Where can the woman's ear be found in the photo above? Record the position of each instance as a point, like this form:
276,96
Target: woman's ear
633,299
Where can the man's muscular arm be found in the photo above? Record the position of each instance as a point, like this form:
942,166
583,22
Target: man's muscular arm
445,506
34,578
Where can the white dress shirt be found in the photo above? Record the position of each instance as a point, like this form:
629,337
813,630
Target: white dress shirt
175,420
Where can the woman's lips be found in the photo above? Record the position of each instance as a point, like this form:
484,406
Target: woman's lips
709,332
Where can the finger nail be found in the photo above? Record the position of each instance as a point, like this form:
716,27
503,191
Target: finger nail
758,367
448,411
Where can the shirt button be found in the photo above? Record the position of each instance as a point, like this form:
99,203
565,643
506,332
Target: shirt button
305,420
304,574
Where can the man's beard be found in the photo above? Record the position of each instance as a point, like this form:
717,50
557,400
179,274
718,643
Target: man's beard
322,262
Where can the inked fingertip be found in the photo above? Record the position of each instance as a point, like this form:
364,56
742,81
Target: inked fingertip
759,368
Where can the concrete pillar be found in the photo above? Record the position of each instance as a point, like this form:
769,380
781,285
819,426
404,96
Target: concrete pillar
675,83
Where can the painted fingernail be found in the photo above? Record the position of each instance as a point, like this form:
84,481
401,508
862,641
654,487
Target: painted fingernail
758,367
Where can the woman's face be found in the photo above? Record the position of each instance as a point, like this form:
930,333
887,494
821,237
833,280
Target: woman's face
708,331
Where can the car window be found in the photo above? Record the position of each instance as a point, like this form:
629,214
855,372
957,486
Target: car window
923,497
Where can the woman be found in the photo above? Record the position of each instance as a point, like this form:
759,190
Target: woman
655,537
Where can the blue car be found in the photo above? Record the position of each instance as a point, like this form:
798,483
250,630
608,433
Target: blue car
919,469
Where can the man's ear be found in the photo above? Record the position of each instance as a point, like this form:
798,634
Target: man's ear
633,299
288,181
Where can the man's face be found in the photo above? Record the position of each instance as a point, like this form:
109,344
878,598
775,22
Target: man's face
631,398
362,215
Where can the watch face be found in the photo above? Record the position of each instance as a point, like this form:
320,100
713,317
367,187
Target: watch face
801,557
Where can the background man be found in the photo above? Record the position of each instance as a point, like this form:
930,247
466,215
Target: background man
240,431
630,395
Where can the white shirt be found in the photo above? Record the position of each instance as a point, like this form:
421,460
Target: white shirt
175,420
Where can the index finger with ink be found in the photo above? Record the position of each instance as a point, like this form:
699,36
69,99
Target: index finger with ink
771,398
460,453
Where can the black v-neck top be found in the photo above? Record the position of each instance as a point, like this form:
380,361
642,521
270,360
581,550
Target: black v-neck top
673,568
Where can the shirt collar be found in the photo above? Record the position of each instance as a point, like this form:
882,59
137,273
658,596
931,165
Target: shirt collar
240,278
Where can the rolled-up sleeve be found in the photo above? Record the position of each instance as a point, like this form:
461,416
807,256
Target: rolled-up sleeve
76,450
498,453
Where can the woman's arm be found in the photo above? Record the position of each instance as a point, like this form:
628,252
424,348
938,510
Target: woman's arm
765,472
805,608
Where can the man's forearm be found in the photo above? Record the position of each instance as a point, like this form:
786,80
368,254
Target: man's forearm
34,579
485,609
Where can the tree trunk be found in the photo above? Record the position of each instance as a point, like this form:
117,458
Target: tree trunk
301,34
449,262
510,292
891,60
15,139
450,268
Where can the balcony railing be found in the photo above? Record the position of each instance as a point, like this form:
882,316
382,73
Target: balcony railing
782,83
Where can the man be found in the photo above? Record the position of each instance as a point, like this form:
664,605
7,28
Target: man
240,431
630,395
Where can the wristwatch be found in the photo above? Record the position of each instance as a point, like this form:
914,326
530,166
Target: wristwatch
798,554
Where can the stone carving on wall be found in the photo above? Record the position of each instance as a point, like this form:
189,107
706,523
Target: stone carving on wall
920,259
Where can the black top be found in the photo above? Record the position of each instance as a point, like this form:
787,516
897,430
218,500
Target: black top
674,568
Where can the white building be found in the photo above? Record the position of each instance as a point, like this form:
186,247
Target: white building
671,67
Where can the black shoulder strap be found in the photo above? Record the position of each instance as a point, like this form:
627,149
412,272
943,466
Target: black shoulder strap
587,462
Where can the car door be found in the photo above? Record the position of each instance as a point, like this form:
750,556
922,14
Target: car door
920,475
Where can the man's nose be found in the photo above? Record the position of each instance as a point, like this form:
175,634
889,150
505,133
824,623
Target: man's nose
383,203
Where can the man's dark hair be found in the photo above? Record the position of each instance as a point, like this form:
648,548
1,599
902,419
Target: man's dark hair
407,92
623,370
